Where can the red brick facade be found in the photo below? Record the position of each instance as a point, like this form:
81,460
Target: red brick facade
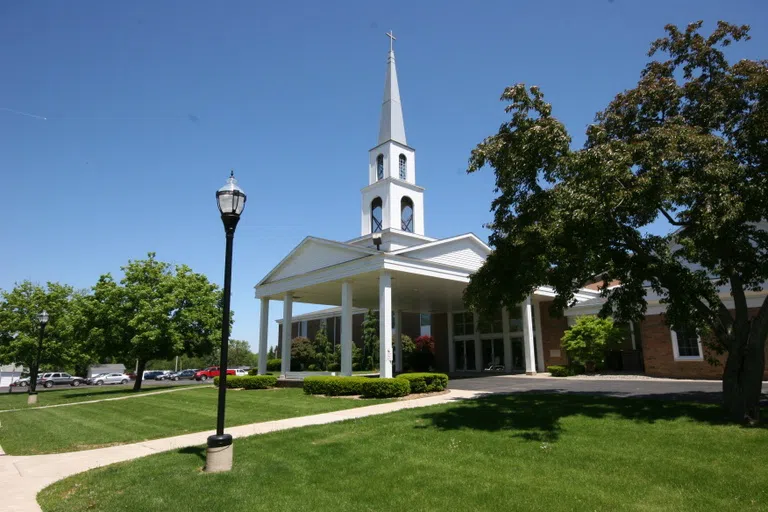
552,330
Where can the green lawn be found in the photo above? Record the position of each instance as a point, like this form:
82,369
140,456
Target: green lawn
82,427
69,394
515,452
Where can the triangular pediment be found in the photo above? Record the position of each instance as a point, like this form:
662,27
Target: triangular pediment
465,251
313,254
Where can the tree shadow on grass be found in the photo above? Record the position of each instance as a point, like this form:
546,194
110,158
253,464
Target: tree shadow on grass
536,415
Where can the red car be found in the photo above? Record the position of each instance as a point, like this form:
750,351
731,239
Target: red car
210,372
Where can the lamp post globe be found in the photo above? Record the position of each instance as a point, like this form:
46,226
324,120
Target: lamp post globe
42,319
231,200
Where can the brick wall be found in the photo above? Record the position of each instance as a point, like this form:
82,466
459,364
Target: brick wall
552,330
440,333
659,356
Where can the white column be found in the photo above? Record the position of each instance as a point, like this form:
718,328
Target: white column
385,325
507,340
478,345
451,344
398,341
285,357
530,359
346,328
539,339
263,335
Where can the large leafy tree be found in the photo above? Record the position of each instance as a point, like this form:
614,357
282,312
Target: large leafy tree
688,144
64,346
156,311
323,347
370,354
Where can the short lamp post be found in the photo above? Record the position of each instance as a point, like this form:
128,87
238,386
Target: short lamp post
231,201
42,319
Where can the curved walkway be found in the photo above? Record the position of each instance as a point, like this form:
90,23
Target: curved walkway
22,477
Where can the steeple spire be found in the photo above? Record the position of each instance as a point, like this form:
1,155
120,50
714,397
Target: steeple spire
391,125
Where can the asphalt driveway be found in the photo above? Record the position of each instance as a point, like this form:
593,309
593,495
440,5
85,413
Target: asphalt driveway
681,390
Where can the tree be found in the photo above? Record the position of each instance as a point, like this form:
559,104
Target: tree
370,341
686,145
423,355
271,353
155,312
588,340
302,353
63,346
408,346
323,348
238,354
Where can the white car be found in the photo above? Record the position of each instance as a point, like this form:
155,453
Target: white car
239,372
111,378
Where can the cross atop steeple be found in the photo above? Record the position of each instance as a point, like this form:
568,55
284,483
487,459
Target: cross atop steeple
392,38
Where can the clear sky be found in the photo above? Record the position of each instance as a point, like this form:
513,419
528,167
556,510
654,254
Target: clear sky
148,104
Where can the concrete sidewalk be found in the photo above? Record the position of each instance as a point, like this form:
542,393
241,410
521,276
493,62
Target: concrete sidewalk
22,477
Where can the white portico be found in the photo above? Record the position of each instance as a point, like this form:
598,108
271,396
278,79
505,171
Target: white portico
392,267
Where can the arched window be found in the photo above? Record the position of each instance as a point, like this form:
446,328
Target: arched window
376,215
406,214
380,167
403,167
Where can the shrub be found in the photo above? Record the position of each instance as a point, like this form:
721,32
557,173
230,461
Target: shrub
253,371
355,367
334,386
273,365
587,341
312,368
425,382
558,371
334,367
249,381
423,356
385,388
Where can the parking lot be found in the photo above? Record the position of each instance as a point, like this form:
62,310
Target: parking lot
145,383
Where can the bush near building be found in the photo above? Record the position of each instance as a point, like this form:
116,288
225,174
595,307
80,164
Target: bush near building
425,382
385,388
249,382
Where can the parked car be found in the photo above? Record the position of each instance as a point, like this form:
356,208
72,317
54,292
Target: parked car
61,378
240,372
164,375
184,374
210,372
110,378
22,383
150,375
93,377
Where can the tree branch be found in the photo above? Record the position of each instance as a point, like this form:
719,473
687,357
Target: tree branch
671,220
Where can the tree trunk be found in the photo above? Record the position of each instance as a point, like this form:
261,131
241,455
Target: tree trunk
743,376
139,375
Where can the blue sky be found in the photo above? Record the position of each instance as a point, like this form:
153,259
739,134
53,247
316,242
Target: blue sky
148,104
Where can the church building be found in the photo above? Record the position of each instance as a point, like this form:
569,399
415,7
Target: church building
416,283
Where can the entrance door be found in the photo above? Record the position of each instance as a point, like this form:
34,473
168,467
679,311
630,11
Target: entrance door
493,354
464,351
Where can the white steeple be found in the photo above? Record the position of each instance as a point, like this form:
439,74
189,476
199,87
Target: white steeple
392,201
391,125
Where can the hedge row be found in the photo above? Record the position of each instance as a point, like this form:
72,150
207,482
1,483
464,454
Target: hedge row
334,386
376,388
273,365
249,381
425,382
385,388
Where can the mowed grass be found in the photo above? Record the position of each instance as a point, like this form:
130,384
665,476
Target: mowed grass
71,394
515,452
87,426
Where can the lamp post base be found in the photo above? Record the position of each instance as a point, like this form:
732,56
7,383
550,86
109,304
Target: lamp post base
218,457
32,399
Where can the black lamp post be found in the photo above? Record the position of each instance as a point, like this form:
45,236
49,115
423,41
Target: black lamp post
231,201
42,318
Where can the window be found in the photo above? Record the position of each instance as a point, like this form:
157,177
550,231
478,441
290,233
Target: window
376,215
492,324
463,324
686,344
380,167
406,214
516,319
403,167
